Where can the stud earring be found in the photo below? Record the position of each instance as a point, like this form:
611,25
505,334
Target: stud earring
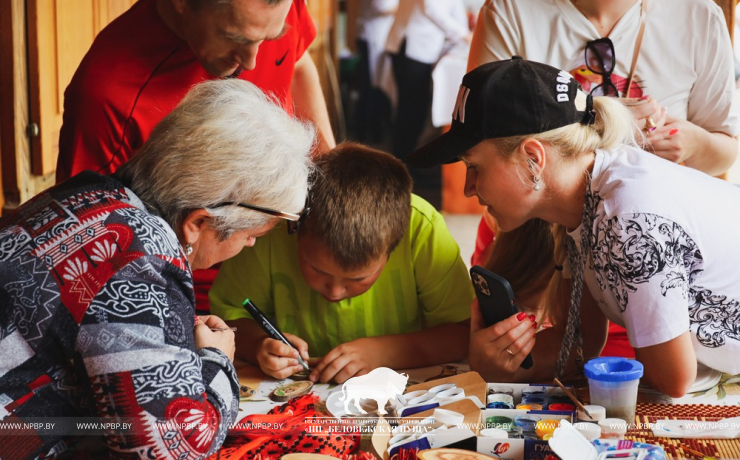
188,249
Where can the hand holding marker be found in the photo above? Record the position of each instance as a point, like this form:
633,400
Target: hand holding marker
270,329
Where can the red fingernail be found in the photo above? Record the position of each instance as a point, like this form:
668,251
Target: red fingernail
644,98
197,320
521,316
532,318
534,326
672,132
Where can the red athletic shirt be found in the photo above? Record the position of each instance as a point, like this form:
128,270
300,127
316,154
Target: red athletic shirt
136,71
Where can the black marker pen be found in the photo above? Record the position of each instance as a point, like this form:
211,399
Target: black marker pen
270,329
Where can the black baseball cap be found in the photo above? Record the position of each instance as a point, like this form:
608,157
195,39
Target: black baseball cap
507,98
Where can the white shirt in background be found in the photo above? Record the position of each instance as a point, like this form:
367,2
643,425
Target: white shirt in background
685,63
426,25
373,24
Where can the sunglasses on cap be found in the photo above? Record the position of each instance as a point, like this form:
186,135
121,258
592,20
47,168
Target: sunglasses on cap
600,60
294,220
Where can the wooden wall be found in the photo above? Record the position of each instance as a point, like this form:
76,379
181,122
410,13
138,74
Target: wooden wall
41,45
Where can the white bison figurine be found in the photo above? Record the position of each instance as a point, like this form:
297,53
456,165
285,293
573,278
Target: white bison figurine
380,384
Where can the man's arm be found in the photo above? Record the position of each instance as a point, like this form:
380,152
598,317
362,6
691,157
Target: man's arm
309,101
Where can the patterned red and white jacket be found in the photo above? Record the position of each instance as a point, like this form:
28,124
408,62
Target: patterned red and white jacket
96,324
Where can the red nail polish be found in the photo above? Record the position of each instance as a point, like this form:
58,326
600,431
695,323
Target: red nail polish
521,316
644,98
672,132
534,326
532,318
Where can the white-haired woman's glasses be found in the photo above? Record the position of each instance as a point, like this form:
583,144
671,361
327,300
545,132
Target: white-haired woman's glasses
294,220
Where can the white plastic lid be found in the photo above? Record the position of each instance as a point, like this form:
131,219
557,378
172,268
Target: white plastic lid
501,397
494,433
613,426
448,417
597,413
590,430
570,444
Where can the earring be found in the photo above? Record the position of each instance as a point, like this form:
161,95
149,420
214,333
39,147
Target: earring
535,170
188,249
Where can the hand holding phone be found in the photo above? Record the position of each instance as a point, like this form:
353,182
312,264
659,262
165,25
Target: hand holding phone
495,299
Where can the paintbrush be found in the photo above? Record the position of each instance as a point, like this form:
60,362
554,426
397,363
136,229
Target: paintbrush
572,397
696,453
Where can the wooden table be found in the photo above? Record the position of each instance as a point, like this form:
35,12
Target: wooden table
725,393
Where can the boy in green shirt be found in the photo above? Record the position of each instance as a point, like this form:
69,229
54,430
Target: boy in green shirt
373,278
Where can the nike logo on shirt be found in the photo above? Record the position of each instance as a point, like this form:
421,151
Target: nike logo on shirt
280,61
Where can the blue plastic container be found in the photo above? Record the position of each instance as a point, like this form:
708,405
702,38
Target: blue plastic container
613,383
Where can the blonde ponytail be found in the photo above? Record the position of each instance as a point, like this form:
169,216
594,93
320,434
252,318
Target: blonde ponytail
554,305
615,124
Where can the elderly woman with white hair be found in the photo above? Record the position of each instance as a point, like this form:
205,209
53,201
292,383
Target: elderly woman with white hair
96,300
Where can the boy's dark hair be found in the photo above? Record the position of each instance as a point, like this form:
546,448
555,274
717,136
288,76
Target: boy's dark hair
360,204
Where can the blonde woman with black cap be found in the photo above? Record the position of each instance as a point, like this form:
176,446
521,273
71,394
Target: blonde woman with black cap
653,242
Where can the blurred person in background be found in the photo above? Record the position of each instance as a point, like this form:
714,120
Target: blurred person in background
420,33
373,25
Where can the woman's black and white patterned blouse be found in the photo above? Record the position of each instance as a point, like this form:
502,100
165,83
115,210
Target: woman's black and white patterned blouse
665,253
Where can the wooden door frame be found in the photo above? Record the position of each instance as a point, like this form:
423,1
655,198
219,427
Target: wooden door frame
728,8
18,181
13,97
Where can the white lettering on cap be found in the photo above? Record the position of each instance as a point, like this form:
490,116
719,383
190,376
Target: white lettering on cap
580,101
563,79
462,98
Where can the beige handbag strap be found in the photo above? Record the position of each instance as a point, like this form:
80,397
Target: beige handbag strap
638,44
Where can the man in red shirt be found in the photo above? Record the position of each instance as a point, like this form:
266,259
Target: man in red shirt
142,64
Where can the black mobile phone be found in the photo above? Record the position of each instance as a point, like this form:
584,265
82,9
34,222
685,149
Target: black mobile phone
495,299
